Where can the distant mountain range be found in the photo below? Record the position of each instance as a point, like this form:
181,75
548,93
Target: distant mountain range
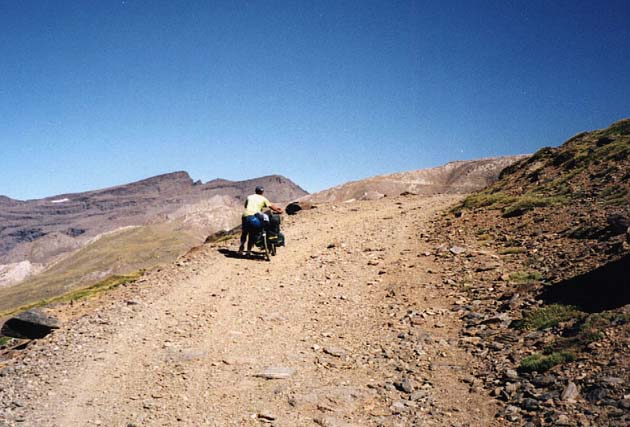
36,234
455,177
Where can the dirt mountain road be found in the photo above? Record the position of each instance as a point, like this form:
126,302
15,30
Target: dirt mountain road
351,314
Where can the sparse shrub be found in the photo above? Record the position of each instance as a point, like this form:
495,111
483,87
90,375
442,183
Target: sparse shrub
602,320
109,283
549,316
529,202
561,158
4,340
617,150
586,232
621,127
522,277
513,250
620,201
509,170
543,362
589,329
482,200
541,154
614,192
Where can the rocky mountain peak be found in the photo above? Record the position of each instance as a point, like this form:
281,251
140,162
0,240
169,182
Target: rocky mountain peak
7,201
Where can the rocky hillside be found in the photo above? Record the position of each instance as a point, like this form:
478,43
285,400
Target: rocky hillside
540,260
453,178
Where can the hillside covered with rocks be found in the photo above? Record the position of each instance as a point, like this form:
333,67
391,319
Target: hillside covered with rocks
544,284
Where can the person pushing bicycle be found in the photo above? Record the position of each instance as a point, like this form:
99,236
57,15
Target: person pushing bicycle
252,220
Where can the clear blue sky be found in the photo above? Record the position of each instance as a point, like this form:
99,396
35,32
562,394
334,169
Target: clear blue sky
99,93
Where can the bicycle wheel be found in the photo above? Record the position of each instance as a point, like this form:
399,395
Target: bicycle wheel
266,245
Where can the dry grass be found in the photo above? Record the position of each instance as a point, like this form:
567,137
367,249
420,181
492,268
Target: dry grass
90,291
118,253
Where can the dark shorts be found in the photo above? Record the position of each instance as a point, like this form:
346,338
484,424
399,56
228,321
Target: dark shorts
251,223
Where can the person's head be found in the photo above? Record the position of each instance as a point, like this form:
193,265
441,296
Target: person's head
260,190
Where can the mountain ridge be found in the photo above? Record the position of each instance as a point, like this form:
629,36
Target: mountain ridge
456,177
43,231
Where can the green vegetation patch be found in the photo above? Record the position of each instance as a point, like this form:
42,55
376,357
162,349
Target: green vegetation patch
530,201
614,195
490,200
617,150
512,250
4,340
105,285
102,286
484,237
223,236
599,321
549,316
524,277
614,192
589,329
543,362
119,252
511,205
619,128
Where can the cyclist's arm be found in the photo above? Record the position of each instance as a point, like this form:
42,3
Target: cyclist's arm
275,208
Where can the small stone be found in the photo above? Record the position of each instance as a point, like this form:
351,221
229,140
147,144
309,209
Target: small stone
563,420
611,381
328,421
31,324
335,351
456,250
511,409
405,386
511,374
512,387
571,392
529,404
266,415
398,407
276,373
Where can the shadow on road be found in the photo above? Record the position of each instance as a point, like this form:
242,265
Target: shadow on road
229,253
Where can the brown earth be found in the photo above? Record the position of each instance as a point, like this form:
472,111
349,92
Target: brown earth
352,305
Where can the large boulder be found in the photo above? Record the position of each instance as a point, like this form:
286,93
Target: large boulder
618,224
295,207
31,324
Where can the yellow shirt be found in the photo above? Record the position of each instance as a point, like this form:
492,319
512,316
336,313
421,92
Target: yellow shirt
254,204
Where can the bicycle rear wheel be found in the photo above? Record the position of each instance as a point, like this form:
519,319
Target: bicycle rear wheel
266,247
